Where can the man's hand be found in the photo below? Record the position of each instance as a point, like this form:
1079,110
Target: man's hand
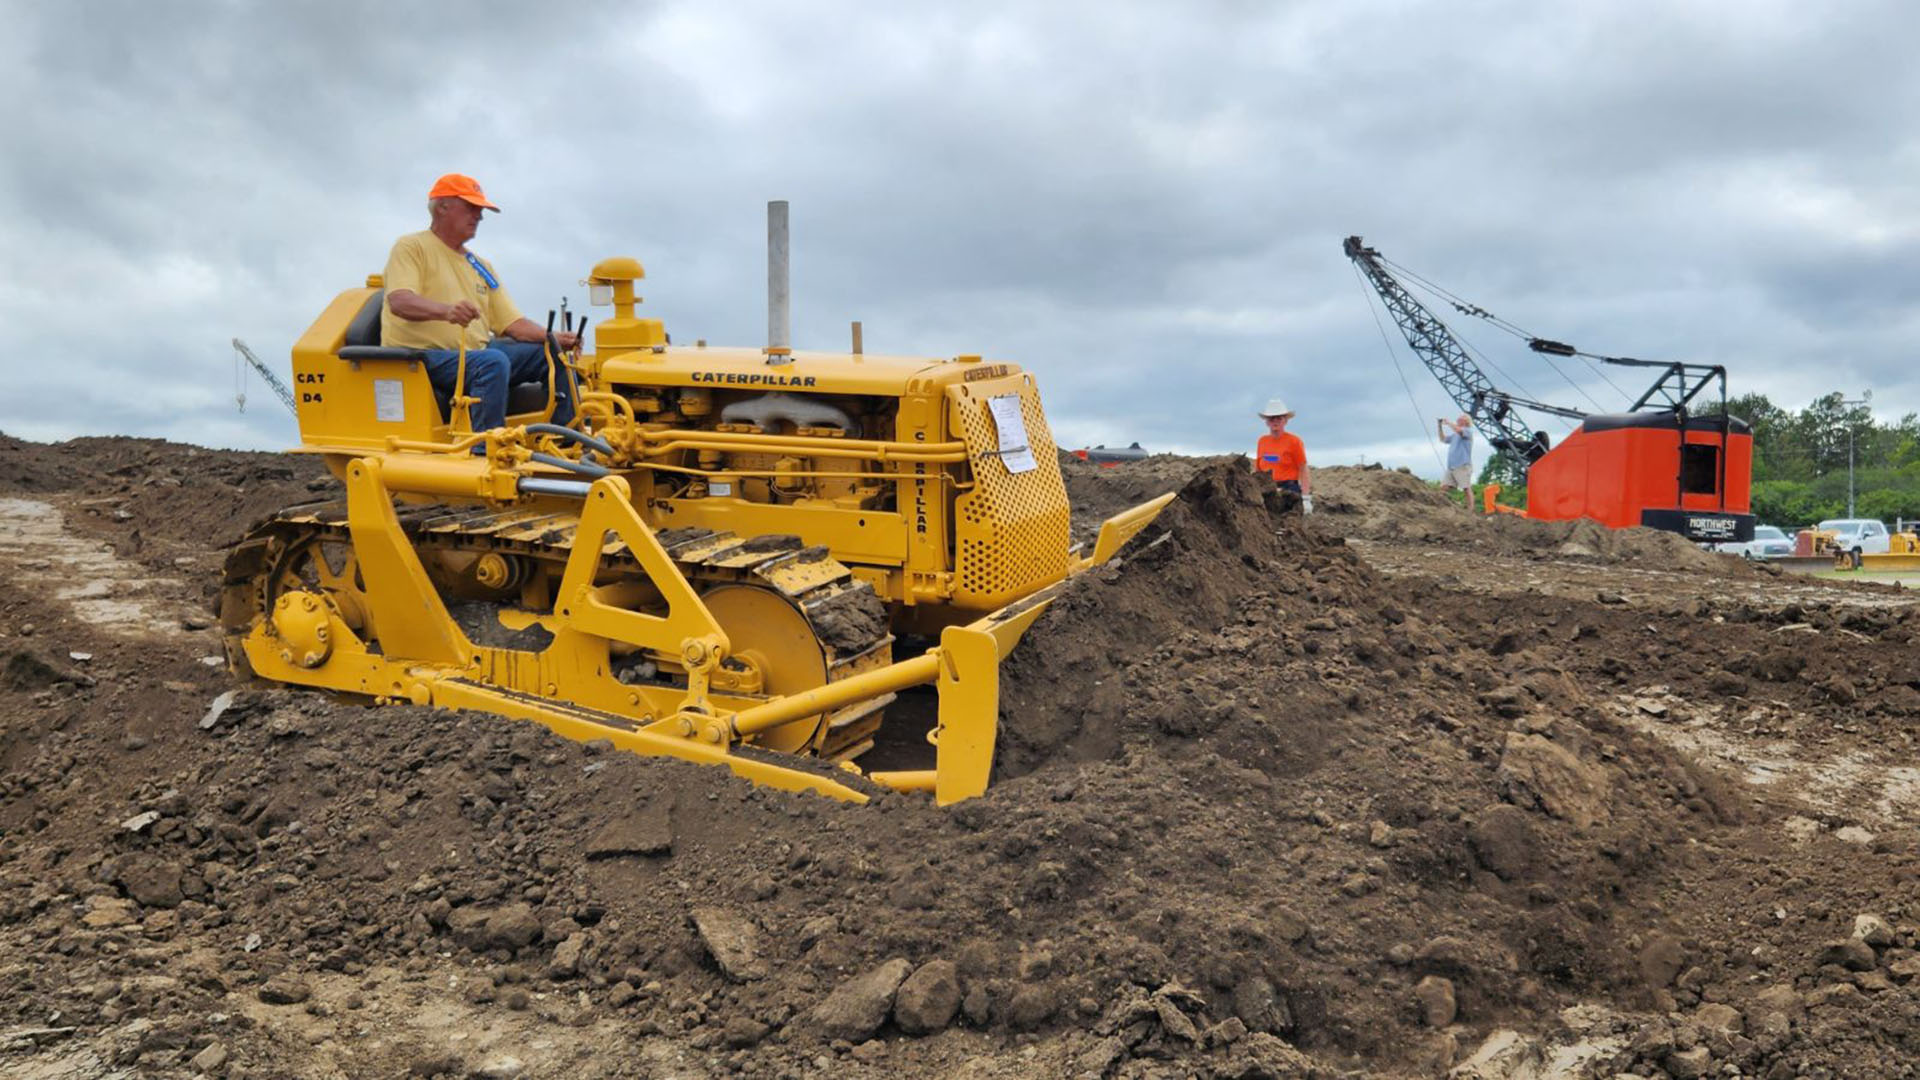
462,313
565,339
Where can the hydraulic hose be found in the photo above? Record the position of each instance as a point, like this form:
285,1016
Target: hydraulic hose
569,434
581,468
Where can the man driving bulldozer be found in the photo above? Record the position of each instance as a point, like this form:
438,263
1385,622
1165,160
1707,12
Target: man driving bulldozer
440,294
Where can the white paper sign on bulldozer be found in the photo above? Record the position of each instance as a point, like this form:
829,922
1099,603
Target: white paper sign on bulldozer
1014,452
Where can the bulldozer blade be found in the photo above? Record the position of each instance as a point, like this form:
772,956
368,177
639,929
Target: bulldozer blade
969,688
1803,563
968,679
1899,561
1122,527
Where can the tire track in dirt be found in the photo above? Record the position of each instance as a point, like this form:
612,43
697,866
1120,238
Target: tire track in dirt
102,589
1850,785
1493,575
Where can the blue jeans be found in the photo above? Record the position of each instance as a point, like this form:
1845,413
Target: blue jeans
490,371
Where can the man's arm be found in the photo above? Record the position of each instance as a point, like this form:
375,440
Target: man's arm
505,315
413,307
525,329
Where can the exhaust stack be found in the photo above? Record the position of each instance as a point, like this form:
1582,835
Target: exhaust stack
779,297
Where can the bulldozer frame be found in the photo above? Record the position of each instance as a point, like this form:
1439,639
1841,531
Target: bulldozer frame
711,563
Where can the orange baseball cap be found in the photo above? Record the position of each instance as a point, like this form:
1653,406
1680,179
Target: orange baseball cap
459,186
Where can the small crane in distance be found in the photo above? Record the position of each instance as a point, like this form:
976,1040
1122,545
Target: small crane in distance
1660,464
240,393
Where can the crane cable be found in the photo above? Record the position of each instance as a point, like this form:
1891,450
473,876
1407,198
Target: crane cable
1473,352
1467,307
1418,416
1488,361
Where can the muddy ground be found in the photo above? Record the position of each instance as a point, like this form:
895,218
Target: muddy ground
1391,790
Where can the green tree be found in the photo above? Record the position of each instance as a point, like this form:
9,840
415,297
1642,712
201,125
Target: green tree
1769,424
1510,473
1800,472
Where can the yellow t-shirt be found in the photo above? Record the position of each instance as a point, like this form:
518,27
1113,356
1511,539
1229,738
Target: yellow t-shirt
424,265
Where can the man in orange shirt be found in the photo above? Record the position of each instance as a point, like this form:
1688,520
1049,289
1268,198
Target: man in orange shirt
1283,456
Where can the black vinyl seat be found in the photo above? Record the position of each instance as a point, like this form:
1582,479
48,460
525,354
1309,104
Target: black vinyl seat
363,335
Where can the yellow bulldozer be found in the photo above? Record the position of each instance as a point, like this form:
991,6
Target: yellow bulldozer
714,561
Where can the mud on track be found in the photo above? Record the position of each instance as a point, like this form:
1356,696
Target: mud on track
1345,795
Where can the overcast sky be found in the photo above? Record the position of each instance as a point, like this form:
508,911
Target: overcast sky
1141,203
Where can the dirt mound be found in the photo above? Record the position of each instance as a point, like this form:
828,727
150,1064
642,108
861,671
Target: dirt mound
1585,539
1098,492
1260,811
1210,559
1373,503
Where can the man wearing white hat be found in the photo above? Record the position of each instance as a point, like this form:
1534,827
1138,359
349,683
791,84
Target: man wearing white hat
1283,456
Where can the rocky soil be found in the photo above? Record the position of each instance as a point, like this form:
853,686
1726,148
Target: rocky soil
1390,790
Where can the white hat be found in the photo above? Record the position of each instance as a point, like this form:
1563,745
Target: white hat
1276,407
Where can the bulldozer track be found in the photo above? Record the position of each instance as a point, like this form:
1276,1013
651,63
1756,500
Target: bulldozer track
845,616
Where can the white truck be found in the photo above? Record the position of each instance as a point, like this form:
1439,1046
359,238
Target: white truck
1858,536
1769,542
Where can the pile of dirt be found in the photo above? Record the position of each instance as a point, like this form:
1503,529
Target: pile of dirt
1369,502
1098,492
1259,811
1374,503
1436,779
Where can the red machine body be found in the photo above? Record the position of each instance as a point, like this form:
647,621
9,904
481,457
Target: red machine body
1691,476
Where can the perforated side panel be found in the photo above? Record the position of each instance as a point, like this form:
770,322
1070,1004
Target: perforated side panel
1010,531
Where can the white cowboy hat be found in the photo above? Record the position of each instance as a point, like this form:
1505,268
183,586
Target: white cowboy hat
1276,407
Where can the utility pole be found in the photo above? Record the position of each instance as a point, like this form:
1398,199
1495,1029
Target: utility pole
1862,400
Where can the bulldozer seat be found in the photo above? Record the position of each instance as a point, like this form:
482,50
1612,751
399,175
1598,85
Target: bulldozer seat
363,343
363,335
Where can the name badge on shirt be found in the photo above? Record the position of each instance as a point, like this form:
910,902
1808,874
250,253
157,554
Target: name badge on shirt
481,269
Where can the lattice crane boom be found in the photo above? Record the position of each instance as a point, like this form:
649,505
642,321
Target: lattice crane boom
266,373
1491,409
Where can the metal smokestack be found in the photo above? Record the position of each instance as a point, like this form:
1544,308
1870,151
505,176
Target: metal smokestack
779,298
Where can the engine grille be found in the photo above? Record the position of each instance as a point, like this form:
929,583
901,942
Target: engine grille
1011,531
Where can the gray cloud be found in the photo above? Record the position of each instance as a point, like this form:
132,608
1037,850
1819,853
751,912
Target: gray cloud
1141,203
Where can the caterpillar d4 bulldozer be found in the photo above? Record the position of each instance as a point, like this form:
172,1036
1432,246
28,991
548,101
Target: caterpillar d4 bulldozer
729,557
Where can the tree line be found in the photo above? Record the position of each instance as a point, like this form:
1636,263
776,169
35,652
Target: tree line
1800,462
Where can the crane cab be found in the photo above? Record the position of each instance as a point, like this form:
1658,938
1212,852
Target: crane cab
1690,475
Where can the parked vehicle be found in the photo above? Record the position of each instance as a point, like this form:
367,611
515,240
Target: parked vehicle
1769,542
1857,536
